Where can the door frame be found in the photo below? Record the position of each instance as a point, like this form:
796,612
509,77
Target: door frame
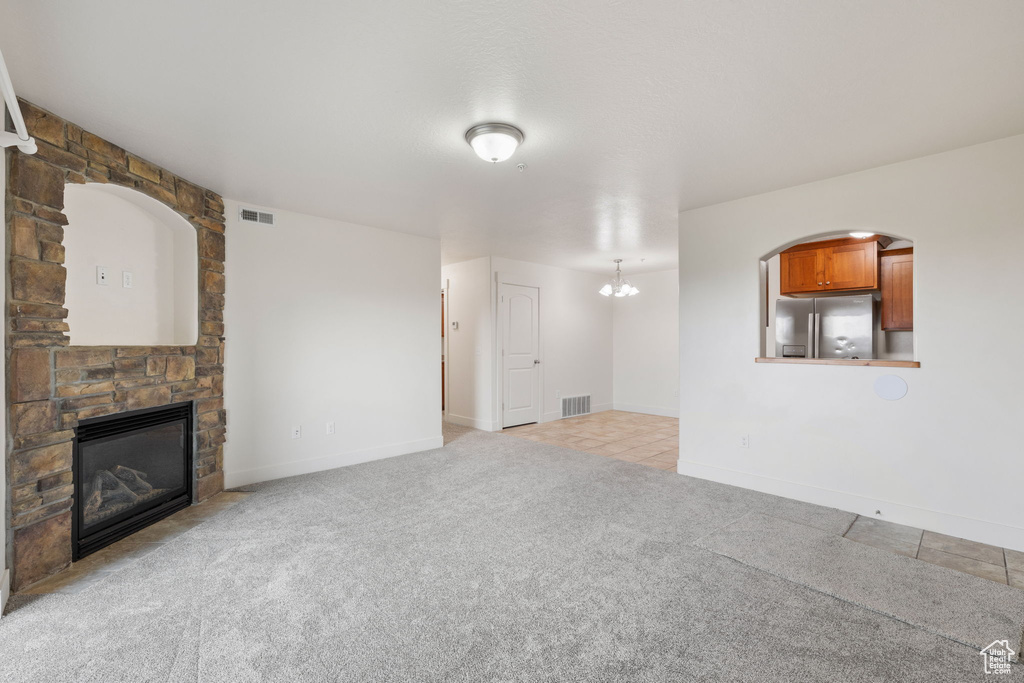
446,358
503,278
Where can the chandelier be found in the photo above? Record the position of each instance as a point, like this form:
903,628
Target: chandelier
618,286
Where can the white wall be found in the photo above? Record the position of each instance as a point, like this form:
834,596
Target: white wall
124,230
575,334
774,285
185,280
328,322
645,340
947,456
471,347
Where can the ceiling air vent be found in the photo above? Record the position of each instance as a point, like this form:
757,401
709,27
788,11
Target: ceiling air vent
254,216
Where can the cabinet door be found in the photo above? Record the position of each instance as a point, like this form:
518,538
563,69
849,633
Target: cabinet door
801,271
898,292
852,266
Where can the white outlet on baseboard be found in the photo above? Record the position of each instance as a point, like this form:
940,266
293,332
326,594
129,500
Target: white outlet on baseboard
102,277
745,441
126,279
330,428
296,432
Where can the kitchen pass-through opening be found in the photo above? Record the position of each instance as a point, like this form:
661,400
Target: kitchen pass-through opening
839,298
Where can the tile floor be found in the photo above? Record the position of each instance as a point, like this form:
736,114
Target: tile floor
987,561
634,437
102,563
654,441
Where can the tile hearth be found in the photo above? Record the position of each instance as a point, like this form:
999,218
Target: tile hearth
101,564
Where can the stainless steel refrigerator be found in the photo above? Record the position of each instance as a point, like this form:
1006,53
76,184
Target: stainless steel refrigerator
826,327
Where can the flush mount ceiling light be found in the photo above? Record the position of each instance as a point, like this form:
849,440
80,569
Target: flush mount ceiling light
617,285
494,142
862,235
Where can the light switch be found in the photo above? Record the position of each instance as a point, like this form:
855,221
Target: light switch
102,277
126,279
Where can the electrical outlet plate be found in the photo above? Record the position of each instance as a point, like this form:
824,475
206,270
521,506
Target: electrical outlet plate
745,441
296,432
330,428
102,276
127,279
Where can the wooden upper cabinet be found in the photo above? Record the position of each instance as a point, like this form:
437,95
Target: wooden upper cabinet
852,266
898,290
829,266
802,271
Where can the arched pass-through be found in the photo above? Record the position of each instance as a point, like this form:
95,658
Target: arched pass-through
838,297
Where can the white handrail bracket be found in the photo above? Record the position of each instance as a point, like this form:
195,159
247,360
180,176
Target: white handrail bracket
12,140
21,139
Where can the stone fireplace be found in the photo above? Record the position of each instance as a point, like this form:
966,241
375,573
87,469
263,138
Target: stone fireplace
53,386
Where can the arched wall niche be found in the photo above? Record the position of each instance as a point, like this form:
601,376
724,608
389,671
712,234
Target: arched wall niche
887,344
150,293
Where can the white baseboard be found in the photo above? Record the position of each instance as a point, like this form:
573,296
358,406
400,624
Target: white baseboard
329,462
5,590
462,421
648,410
979,530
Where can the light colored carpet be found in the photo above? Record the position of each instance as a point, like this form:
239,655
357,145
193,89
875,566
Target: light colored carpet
491,559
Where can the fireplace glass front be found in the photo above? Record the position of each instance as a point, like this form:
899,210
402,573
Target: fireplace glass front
130,470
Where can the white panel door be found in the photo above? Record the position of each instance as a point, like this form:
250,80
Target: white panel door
520,354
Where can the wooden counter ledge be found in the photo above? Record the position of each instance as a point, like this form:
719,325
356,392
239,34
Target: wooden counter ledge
842,361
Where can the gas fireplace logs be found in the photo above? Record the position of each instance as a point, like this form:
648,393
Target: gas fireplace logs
115,490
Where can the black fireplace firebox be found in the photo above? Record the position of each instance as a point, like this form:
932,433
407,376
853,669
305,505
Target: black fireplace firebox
131,470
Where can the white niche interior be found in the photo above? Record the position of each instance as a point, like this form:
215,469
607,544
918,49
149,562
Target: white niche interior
150,293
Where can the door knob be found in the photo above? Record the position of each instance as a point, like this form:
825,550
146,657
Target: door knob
827,282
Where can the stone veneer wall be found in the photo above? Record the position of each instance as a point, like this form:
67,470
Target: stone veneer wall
50,384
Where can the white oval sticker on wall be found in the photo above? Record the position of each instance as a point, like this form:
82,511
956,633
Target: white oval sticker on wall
890,387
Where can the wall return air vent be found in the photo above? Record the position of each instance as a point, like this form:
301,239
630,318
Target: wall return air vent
254,216
575,405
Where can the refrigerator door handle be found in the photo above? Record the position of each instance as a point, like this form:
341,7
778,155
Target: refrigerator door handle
809,353
817,335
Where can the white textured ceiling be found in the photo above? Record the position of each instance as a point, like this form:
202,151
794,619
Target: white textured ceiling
632,110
